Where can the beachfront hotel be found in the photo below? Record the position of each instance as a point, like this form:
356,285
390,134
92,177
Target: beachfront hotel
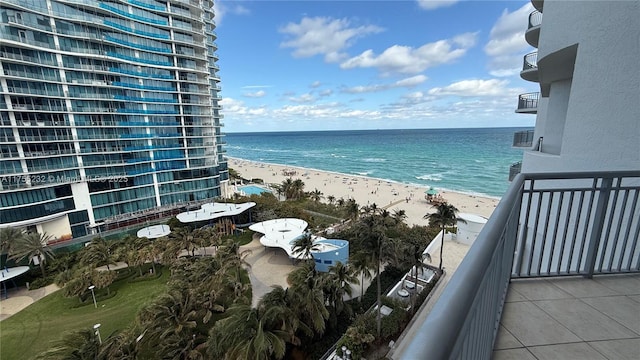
110,112
554,274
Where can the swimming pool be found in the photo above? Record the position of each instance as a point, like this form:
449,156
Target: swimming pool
253,190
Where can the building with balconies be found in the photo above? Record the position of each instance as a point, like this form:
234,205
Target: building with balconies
109,110
555,272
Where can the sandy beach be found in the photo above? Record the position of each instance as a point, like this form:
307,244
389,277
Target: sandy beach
365,191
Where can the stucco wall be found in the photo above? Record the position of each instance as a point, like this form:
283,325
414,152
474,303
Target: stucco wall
601,126
325,260
56,227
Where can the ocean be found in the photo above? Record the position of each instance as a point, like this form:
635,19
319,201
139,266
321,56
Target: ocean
473,161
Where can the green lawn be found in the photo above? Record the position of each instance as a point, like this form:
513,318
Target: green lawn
29,332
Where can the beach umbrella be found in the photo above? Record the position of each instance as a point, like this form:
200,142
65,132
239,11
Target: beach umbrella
431,191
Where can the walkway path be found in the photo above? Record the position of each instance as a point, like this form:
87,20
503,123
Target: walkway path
21,298
269,267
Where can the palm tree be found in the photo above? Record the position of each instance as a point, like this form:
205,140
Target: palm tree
171,321
339,279
414,247
316,195
304,247
399,216
78,345
331,199
446,215
372,233
102,279
33,245
361,264
281,299
185,237
298,189
249,333
352,209
308,297
122,345
8,237
98,252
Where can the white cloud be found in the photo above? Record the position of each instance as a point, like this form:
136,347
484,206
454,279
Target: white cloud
326,92
474,87
221,8
407,82
256,86
315,84
434,4
304,98
238,108
408,60
323,36
257,94
506,43
411,81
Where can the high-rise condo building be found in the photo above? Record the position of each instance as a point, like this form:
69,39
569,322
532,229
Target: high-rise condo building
109,112
587,109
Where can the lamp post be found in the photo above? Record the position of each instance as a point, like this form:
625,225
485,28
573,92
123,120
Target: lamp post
93,295
96,327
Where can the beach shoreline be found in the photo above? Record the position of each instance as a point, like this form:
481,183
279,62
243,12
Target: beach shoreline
365,190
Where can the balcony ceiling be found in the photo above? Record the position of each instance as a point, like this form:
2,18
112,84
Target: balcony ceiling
532,35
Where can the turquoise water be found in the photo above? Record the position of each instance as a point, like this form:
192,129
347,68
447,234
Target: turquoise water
467,160
252,190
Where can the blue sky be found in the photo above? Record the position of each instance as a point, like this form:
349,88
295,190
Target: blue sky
339,65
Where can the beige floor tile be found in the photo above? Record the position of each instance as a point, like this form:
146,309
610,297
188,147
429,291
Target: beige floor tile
513,295
622,284
505,340
539,289
620,308
580,287
625,349
583,320
574,351
532,326
512,354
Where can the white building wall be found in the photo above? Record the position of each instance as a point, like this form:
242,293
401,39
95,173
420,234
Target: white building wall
600,123
56,228
82,200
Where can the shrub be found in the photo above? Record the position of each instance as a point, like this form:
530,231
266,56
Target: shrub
358,336
42,282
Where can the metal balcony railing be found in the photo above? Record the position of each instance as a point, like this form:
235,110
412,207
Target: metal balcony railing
528,102
523,138
530,61
535,19
553,224
514,170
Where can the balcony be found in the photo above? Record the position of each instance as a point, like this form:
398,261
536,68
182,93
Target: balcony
530,67
554,274
523,139
532,35
514,170
528,103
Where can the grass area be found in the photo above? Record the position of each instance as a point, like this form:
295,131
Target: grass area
30,331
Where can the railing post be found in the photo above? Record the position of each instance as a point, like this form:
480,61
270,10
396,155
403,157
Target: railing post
596,231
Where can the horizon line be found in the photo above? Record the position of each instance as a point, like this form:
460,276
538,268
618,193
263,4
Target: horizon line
381,129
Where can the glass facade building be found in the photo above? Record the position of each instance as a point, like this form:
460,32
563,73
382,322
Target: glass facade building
108,108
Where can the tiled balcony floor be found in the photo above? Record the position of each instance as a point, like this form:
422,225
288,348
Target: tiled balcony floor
571,318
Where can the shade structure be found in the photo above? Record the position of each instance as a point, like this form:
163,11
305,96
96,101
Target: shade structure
431,191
